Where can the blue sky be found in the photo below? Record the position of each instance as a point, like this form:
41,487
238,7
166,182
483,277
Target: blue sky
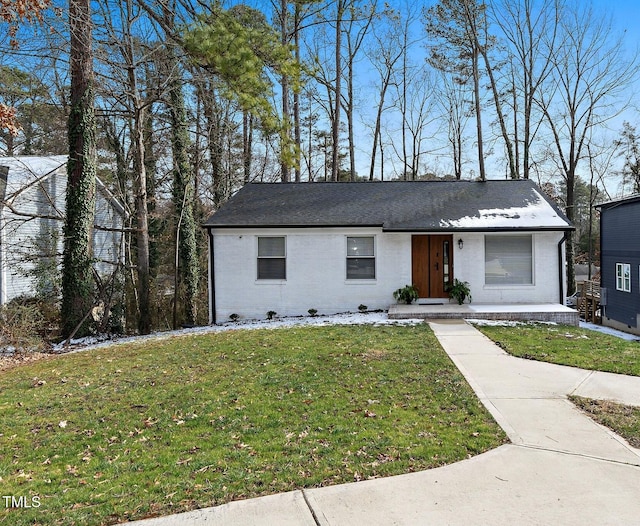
625,15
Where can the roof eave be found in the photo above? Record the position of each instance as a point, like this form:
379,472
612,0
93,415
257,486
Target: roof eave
280,225
396,230
488,229
617,202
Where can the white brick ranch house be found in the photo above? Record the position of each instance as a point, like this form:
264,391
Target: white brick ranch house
291,247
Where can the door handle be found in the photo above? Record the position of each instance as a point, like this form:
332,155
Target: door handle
437,266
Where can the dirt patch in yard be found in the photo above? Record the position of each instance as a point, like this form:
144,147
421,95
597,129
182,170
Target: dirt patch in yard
9,362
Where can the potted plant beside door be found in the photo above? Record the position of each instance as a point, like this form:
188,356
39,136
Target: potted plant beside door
407,294
459,291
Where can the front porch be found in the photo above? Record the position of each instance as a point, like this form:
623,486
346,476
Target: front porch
515,312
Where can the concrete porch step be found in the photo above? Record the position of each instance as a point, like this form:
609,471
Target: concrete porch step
515,312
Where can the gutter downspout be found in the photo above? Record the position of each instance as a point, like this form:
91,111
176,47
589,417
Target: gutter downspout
212,282
561,265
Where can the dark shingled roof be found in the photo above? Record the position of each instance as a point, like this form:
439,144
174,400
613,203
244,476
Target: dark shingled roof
394,206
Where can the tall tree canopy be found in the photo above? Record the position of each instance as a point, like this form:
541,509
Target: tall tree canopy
238,46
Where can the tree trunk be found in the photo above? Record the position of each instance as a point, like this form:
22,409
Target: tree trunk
513,172
77,271
155,223
352,146
183,198
378,125
335,132
476,96
138,149
214,131
284,82
296,96
247,142
142,222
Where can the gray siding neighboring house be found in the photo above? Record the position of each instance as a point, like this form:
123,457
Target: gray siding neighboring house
32,211
620,263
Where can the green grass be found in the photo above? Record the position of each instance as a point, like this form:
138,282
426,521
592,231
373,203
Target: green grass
166,426
622,419
567,345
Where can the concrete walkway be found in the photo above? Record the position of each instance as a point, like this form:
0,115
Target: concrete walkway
561,468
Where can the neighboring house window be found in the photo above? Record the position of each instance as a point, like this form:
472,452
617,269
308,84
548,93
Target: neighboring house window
623,277
272,258
508,260
361,258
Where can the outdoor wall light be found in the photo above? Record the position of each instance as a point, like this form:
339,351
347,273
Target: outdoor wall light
460,243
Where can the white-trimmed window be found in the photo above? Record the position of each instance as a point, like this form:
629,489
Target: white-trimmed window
623,277
272,257
361,257
508,260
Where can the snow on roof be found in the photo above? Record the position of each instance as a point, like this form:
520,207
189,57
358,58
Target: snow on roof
532,215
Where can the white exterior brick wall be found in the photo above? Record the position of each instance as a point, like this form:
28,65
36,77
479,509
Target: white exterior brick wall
316,272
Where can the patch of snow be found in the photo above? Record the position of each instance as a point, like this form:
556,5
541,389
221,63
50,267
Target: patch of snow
536,214
370,318
609,330
583,325
506,323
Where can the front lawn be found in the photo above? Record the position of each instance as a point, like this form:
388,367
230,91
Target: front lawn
160,427
567,345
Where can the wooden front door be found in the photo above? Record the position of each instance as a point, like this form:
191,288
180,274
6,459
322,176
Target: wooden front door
431,264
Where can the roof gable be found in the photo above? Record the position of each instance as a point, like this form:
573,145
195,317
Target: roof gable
395,206
23,172
622,201
18,174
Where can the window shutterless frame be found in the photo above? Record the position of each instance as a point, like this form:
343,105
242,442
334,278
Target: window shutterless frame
272,258
361,257
623,277
508,259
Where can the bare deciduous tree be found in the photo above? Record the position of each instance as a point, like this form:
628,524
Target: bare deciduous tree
588,86
453,25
